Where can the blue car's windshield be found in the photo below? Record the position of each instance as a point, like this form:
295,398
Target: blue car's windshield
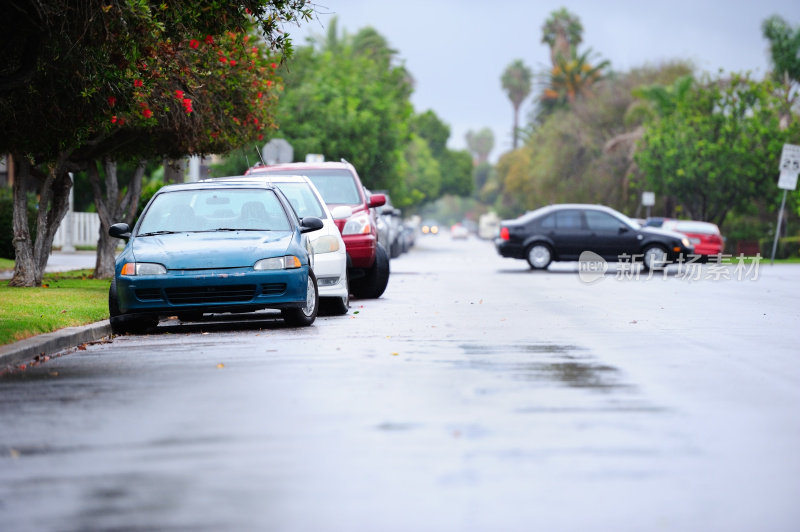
213,210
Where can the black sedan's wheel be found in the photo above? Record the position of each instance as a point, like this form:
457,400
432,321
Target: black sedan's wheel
539,256
305,315
654,257
373,284
121,324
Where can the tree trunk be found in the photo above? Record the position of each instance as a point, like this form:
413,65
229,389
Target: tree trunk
31,257
174,170
112,207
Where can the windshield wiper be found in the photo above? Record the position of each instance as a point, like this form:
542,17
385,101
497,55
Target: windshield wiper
237,229
154,233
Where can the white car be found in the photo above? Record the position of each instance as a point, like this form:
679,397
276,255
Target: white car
330,255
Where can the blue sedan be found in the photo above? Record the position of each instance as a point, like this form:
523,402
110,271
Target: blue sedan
213,247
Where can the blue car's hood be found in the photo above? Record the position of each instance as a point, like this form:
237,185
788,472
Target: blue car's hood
211,249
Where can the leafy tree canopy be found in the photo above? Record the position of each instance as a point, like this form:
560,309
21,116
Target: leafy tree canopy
718,151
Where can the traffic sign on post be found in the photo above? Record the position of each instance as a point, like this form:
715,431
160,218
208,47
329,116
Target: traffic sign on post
789,168
277,151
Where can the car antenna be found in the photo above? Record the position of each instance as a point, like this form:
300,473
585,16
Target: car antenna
259,155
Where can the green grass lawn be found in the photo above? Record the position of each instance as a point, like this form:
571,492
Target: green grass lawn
64,300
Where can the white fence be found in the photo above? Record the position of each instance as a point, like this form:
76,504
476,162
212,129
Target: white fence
85,230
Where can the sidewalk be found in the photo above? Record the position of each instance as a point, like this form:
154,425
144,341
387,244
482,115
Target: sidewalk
63,262
24,351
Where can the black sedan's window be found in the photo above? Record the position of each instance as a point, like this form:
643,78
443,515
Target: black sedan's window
563,220
601,221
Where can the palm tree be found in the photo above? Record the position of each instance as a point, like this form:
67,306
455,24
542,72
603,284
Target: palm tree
562,32
516,82
784,50
480,144
572,77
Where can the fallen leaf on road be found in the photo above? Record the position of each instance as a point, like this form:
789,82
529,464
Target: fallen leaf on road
82,347
220,365
634,321
395,354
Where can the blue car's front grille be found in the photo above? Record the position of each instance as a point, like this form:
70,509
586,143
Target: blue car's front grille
210,294
273,289
148,294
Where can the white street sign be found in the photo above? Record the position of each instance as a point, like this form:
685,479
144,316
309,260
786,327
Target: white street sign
648,199
789,167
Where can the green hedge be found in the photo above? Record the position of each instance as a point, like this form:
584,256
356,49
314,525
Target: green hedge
787,247
7,222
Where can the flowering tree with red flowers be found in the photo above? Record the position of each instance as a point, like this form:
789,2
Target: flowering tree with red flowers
101,80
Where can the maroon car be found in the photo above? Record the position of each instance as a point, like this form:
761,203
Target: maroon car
339,184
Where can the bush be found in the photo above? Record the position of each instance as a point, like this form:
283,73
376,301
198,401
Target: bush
788,247
7,222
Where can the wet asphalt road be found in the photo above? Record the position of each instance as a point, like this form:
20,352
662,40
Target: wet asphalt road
476,395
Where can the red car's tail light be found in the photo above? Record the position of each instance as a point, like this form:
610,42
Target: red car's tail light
504,233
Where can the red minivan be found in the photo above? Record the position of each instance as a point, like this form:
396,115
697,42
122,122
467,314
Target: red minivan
338,184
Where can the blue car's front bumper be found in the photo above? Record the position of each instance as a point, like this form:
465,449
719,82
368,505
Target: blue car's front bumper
219,290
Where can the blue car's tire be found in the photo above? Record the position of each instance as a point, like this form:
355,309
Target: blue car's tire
304,316
121,324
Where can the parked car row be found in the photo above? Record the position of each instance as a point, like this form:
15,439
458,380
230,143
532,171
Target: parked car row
299,238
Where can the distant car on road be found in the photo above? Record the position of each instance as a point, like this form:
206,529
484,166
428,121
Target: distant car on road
214,247
704,236
459,232
429,227
563,232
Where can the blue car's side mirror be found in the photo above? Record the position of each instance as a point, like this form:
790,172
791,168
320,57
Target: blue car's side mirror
310,223
120,230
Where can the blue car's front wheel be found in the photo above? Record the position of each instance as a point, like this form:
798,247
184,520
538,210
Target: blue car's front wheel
121,324
305,315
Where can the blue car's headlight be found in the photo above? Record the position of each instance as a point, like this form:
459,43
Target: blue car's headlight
278,263
143,268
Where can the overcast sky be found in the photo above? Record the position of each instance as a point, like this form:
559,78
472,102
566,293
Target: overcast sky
456,50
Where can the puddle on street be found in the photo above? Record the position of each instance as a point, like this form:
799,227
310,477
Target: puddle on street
566,365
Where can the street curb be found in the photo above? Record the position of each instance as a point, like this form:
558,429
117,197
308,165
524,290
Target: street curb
12,355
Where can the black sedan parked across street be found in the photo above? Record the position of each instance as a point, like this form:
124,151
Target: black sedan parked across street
563,232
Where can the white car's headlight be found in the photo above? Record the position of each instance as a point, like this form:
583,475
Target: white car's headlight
325,244
685,242
278,263
143,268
357,225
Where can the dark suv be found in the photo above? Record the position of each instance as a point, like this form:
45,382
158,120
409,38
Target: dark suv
339,184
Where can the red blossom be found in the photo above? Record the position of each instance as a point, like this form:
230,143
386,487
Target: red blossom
194,43
179,94
273,65
255,49
259,95
147,113
209,39
137,83
260,136
114,119
223,59
112,101
269,83
233,62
